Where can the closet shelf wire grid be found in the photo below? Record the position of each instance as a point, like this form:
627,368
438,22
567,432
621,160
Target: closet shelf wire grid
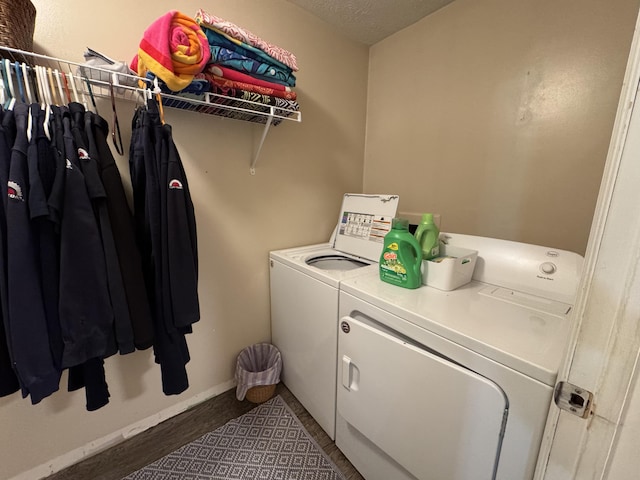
101,82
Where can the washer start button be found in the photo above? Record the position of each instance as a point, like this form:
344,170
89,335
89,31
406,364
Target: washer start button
548,268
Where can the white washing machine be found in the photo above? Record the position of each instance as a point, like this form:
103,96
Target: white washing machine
304,299
436,385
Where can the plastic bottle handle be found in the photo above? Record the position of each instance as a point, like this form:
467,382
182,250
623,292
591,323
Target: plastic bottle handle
421,231
418,233
418,263
418,251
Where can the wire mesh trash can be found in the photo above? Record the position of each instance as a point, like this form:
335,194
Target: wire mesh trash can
258,370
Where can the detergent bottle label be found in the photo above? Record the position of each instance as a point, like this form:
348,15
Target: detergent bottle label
391,268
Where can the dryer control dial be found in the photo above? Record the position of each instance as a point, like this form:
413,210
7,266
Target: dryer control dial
548,268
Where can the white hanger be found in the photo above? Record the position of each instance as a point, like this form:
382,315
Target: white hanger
46,121
56,74
41,86
47,116
46,98
27,84
51,86
30,116
72,80
156,89
2,90
156,86
29,124
43,100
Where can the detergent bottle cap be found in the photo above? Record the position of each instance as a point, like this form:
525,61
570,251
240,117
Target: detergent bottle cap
400,223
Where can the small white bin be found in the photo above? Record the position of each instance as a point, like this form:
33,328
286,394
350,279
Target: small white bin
452,269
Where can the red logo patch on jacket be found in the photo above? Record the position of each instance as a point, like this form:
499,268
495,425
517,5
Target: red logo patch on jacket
175,184
14,191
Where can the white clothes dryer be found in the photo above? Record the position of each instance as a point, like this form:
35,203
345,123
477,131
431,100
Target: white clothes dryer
454,385
304,285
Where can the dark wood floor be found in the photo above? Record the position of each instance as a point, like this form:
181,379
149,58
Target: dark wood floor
144,448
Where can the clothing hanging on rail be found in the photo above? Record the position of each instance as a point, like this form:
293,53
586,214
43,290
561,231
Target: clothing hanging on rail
166,231
8,380
42,179
98,195
129,258
80,280
86,313
28,333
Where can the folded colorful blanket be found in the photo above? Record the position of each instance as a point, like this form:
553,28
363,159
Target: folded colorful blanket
217,38
255,97
264,70
262,104
231,74
220,85
198,86
207,20
174,48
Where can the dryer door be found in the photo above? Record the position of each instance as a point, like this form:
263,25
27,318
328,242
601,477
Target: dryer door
432,416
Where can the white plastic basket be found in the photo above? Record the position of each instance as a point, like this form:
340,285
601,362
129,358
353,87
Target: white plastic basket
452,269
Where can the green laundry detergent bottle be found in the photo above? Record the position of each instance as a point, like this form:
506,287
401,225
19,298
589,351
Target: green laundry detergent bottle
401,256
427,235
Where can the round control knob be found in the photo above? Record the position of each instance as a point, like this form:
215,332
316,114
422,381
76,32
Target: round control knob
548,268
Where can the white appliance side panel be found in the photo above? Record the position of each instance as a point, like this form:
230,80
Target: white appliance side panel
432,416
304,313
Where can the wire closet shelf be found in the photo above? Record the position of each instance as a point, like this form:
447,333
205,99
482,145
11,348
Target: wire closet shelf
89,81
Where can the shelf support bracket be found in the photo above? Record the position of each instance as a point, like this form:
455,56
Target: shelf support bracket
252,168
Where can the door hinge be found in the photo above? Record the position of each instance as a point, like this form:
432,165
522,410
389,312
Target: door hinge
573,399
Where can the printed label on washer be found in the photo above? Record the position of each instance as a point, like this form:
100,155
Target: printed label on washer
365,226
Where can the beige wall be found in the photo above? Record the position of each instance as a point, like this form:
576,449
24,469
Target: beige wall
497,114
292,200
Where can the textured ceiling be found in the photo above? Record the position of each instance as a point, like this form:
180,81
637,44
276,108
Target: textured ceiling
369,21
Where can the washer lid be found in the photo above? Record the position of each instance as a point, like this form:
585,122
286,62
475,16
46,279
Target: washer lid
363,223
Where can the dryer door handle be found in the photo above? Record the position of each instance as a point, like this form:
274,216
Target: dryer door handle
350,374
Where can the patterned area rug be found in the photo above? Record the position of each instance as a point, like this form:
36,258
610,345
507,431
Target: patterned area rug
267,443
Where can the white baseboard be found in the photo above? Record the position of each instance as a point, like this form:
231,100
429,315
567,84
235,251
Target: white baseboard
96,446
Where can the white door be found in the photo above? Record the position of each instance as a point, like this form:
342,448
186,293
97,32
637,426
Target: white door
434,417
604,351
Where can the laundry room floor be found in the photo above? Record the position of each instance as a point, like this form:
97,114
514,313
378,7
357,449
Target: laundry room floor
144,448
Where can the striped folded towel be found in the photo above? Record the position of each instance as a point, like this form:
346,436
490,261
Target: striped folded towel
242,35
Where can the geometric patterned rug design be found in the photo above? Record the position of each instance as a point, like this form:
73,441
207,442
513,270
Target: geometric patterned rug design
267,443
